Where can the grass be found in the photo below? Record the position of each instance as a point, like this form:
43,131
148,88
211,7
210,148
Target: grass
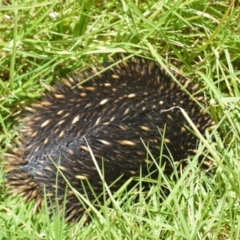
41,41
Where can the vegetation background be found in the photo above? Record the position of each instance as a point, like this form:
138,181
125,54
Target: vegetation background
41,41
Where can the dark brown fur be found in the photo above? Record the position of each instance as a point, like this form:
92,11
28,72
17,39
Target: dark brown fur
114,113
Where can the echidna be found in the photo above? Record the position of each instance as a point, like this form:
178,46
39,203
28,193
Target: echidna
112,115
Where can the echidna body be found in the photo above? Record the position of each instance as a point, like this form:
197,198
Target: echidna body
112,115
